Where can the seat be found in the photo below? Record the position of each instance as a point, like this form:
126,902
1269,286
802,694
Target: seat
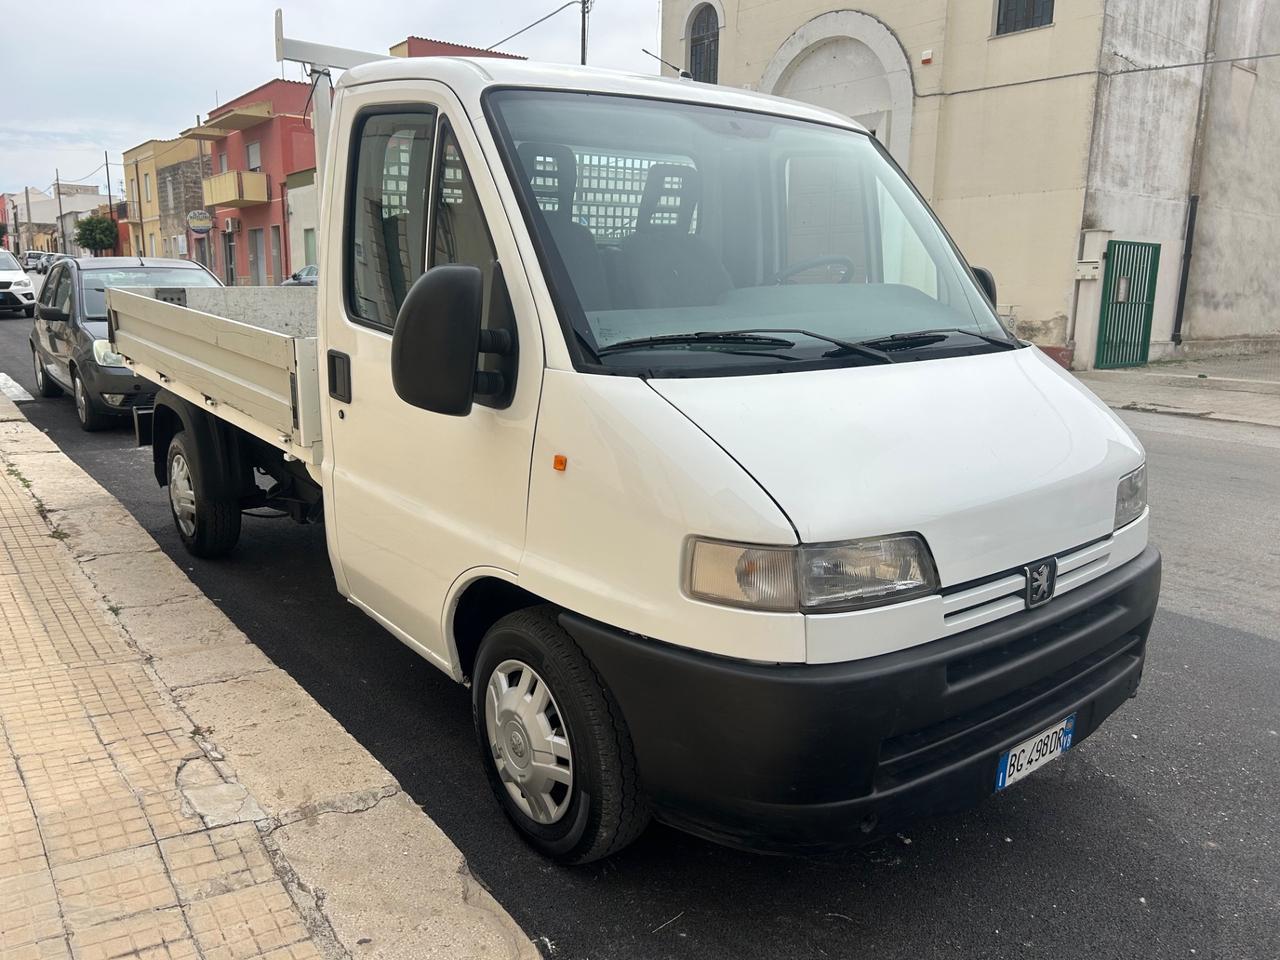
552,170
664,264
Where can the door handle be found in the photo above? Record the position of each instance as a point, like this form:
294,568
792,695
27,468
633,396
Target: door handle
339,376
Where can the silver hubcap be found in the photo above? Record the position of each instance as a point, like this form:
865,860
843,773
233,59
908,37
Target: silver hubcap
35,360
529,742
82,402
182,494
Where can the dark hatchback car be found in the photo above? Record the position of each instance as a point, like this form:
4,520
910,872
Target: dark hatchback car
69,346
308,276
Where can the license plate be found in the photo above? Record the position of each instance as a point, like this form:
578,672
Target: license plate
1034,752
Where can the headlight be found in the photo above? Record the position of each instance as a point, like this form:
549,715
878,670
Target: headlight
23,284
1131,496
811,577
104,356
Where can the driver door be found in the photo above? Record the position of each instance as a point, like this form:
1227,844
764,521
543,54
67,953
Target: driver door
54,336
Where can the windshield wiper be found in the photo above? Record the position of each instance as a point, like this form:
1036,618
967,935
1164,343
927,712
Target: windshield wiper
736,338
923,338
861,348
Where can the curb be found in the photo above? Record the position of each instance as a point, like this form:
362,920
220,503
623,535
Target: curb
369,872
1185,381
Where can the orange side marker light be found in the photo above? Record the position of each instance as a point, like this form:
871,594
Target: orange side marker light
560,462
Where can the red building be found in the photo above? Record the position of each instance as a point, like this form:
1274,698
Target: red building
255,141
426,47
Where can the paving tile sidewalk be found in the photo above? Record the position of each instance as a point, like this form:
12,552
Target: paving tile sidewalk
167,793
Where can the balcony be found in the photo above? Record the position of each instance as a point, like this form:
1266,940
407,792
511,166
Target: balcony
235,188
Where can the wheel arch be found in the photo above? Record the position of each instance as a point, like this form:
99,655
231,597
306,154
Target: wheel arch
215,444
478,599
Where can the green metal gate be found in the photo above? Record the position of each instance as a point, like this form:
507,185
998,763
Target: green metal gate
1128,302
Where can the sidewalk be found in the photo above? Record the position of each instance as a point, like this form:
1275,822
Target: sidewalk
166,792
1168,388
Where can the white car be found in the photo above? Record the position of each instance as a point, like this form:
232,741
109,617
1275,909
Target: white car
16,290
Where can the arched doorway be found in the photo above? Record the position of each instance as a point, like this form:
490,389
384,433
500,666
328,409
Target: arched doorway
851,63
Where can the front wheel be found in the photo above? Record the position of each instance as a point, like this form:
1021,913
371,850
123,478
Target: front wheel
29,311
553,742
90,419
208,525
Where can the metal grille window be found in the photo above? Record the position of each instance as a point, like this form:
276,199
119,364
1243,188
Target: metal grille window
1015,15
704,44
610,187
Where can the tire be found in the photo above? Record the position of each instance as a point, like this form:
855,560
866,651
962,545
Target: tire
90,419
208,526
601,808
29,311
44,386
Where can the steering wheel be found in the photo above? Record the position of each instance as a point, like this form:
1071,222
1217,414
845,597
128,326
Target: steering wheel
802,265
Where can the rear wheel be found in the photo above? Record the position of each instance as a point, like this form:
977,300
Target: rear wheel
207,524
554,744
44,386
90,419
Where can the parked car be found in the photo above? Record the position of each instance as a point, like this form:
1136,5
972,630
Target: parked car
69,346
308,276
736,506
31,261
16,291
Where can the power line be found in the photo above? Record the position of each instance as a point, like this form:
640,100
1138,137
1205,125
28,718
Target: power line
565,6
1191,63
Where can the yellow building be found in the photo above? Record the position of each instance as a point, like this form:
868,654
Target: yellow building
142,189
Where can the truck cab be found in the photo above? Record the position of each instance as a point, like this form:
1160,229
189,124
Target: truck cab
669,418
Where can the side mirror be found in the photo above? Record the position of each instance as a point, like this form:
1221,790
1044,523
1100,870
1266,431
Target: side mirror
51,314
435,350
987,282
296,275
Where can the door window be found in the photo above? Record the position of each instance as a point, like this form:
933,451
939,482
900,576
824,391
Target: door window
62,292
387,213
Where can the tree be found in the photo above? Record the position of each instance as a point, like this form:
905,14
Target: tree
96,233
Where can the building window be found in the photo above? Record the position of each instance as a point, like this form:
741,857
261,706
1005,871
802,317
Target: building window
309,246
222,162
1015,15
704,44
253,156
146,187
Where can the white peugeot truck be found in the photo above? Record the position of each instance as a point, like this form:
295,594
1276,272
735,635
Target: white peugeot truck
667,417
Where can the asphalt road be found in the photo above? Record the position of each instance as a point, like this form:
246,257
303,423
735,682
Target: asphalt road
1159,837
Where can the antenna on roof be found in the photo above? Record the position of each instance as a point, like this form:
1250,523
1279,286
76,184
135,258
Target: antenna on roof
684,74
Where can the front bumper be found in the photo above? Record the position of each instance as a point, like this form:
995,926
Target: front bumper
133,390
11,299
808,757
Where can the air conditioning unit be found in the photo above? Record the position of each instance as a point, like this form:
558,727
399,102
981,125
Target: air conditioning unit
231,225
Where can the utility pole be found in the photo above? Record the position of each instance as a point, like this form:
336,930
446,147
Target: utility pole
586,7
62,233
17,229
27,190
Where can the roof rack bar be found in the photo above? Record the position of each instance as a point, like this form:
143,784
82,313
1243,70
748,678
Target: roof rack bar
318,54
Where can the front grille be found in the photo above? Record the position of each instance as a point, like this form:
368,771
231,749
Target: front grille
5,284
1010,685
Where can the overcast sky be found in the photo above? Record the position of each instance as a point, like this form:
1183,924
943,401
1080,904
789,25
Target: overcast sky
92,76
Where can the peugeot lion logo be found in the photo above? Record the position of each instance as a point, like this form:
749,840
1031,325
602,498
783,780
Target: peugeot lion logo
1042,577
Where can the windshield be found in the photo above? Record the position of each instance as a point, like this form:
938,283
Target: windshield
664,220
7,262
94,283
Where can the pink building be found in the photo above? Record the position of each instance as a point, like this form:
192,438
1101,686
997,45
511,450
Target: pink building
254,142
